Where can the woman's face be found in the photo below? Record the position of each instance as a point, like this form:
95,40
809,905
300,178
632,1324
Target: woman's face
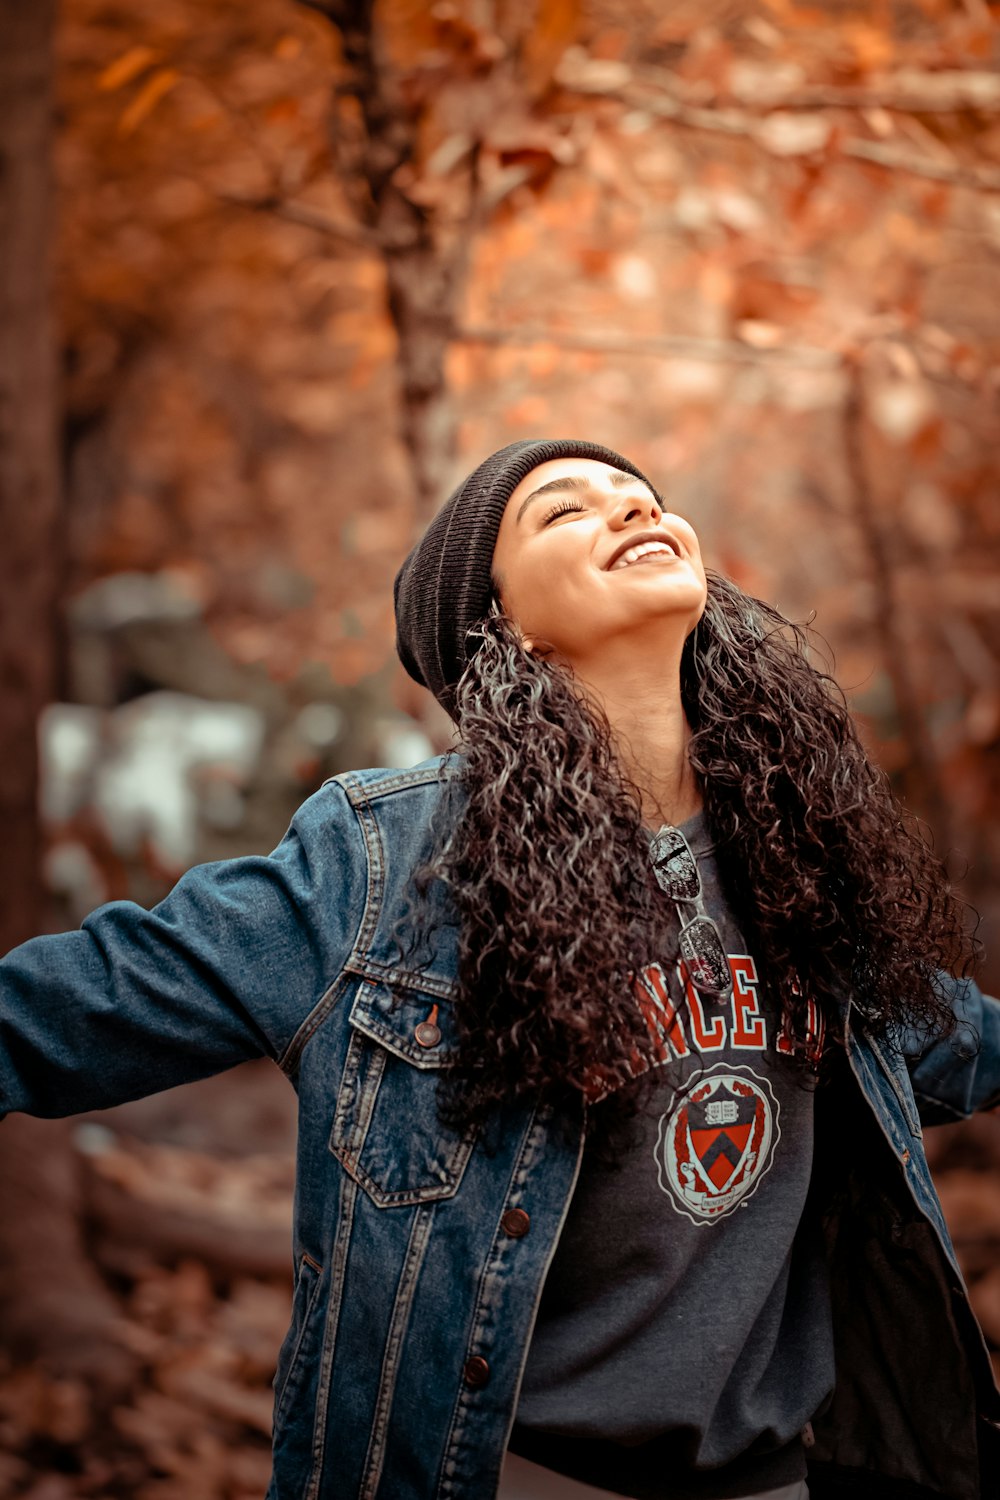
567,571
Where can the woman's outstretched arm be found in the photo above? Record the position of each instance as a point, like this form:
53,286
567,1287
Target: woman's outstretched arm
224,969
960,1073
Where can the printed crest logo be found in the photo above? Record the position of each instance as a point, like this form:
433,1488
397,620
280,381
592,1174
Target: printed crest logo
717,1144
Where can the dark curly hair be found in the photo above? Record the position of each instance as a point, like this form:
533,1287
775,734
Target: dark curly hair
545,859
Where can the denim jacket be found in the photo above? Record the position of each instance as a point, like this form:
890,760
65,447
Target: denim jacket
416,1282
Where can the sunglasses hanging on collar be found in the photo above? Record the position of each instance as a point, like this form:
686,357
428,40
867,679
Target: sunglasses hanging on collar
701,945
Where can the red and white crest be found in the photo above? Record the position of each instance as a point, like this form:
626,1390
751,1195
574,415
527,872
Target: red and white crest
717,1143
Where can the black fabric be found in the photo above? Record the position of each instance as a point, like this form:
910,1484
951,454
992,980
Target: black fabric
444,586
881,1428
831,1482
661,1467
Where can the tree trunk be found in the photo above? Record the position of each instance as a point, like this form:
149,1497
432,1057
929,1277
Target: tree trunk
922,788
52,1302
28,449
425,269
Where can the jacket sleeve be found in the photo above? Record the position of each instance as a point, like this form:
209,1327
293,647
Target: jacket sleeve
224,969
958,1074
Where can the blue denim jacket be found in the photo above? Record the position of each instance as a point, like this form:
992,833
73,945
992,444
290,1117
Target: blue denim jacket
416,1289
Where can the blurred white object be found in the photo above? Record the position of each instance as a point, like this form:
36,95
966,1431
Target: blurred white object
401,742
144,789
320,724
125,598
136,766
72,873
69,743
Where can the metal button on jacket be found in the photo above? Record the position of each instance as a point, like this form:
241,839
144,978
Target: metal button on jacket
477,1371
428,1033
515,1222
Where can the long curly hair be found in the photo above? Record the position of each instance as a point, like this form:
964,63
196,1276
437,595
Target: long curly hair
544,857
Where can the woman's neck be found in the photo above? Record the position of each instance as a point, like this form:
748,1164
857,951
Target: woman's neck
652,733
667,799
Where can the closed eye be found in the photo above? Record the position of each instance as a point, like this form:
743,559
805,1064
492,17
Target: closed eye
564,508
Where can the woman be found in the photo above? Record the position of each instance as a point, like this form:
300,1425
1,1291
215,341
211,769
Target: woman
611,1035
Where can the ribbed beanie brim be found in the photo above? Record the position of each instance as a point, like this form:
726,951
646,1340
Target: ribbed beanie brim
444,587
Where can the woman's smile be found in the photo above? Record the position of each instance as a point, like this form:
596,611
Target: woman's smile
657,554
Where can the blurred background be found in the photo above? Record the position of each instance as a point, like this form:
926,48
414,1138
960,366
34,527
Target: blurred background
273,278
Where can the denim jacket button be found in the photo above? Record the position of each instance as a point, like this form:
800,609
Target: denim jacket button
515,1222
427,1034
477,1371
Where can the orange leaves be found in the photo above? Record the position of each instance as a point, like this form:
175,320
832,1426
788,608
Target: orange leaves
527,414
153,90
870,47
288,47
555,26
412,30
447,36
667,233
417,35
126,66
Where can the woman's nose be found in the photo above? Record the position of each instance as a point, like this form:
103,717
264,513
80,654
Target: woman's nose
632,507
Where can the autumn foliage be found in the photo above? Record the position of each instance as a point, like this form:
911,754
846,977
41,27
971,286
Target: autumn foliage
313,263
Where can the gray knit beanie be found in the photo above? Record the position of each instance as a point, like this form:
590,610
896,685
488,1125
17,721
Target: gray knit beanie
444,586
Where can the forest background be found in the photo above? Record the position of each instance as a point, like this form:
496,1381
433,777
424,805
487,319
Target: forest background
274,278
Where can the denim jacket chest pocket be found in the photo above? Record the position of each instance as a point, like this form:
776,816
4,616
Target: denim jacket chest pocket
386,1132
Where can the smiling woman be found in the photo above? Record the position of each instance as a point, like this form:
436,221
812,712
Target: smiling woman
611,1031
614,522
609,586
612,700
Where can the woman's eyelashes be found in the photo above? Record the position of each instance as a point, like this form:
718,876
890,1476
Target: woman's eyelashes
562,509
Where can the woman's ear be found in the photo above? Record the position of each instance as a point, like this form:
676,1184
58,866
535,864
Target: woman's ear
527,643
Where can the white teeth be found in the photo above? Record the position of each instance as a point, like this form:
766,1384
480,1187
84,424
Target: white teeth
634,553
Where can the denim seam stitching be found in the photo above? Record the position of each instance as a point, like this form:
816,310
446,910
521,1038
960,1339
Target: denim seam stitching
288,1059
941,1104
307,1311
408,1197
909,1115
544,1277
338,1272
359,791
487,1300
416,1249
362,1108
414,979
384,1036
368,925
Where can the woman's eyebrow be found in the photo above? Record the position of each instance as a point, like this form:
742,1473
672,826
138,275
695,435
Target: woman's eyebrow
618,477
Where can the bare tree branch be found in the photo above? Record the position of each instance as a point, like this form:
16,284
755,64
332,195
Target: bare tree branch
425,269
909,90
345,230
717,351
757,127
983,179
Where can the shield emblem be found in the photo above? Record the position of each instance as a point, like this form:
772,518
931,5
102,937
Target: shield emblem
716,1144
720,1129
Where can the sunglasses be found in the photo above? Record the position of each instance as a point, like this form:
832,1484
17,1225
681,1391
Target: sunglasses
701,945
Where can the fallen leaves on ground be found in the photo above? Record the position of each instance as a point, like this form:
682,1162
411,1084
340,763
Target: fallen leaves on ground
197,1424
